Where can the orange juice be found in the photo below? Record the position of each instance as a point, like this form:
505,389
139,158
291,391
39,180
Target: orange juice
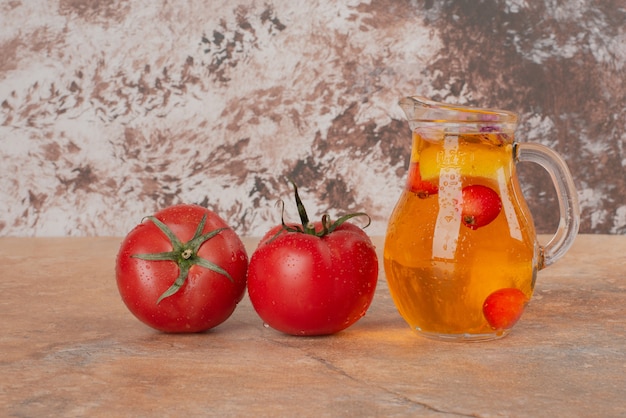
439,266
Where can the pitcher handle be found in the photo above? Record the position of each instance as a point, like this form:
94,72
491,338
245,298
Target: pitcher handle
567,196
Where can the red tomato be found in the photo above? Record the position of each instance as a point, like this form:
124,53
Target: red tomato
481,205
176,274
504,307
302,284
316,278
415,183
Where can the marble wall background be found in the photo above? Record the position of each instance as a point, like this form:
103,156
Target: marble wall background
111,110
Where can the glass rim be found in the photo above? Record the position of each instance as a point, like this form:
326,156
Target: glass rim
422,109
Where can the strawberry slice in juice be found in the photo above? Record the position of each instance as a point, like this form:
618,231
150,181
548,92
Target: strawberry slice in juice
418,186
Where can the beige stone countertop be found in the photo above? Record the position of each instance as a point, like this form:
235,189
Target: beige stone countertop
69,347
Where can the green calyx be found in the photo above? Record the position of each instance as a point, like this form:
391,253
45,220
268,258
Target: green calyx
307,227
184,254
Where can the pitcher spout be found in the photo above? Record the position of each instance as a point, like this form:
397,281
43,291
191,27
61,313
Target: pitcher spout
417,107
420,110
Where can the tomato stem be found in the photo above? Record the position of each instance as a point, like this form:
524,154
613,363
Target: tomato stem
308,227
185,255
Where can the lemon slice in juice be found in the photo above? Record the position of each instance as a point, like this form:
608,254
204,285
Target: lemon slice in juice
470,159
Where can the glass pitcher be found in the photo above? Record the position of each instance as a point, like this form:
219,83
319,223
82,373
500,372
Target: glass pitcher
461,254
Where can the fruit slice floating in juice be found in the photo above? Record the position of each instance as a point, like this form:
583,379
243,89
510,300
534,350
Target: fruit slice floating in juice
418,186
472,159
480,205
504,307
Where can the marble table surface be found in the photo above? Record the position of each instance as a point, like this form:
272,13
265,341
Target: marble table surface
70,348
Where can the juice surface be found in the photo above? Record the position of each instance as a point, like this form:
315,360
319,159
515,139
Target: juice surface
440,270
